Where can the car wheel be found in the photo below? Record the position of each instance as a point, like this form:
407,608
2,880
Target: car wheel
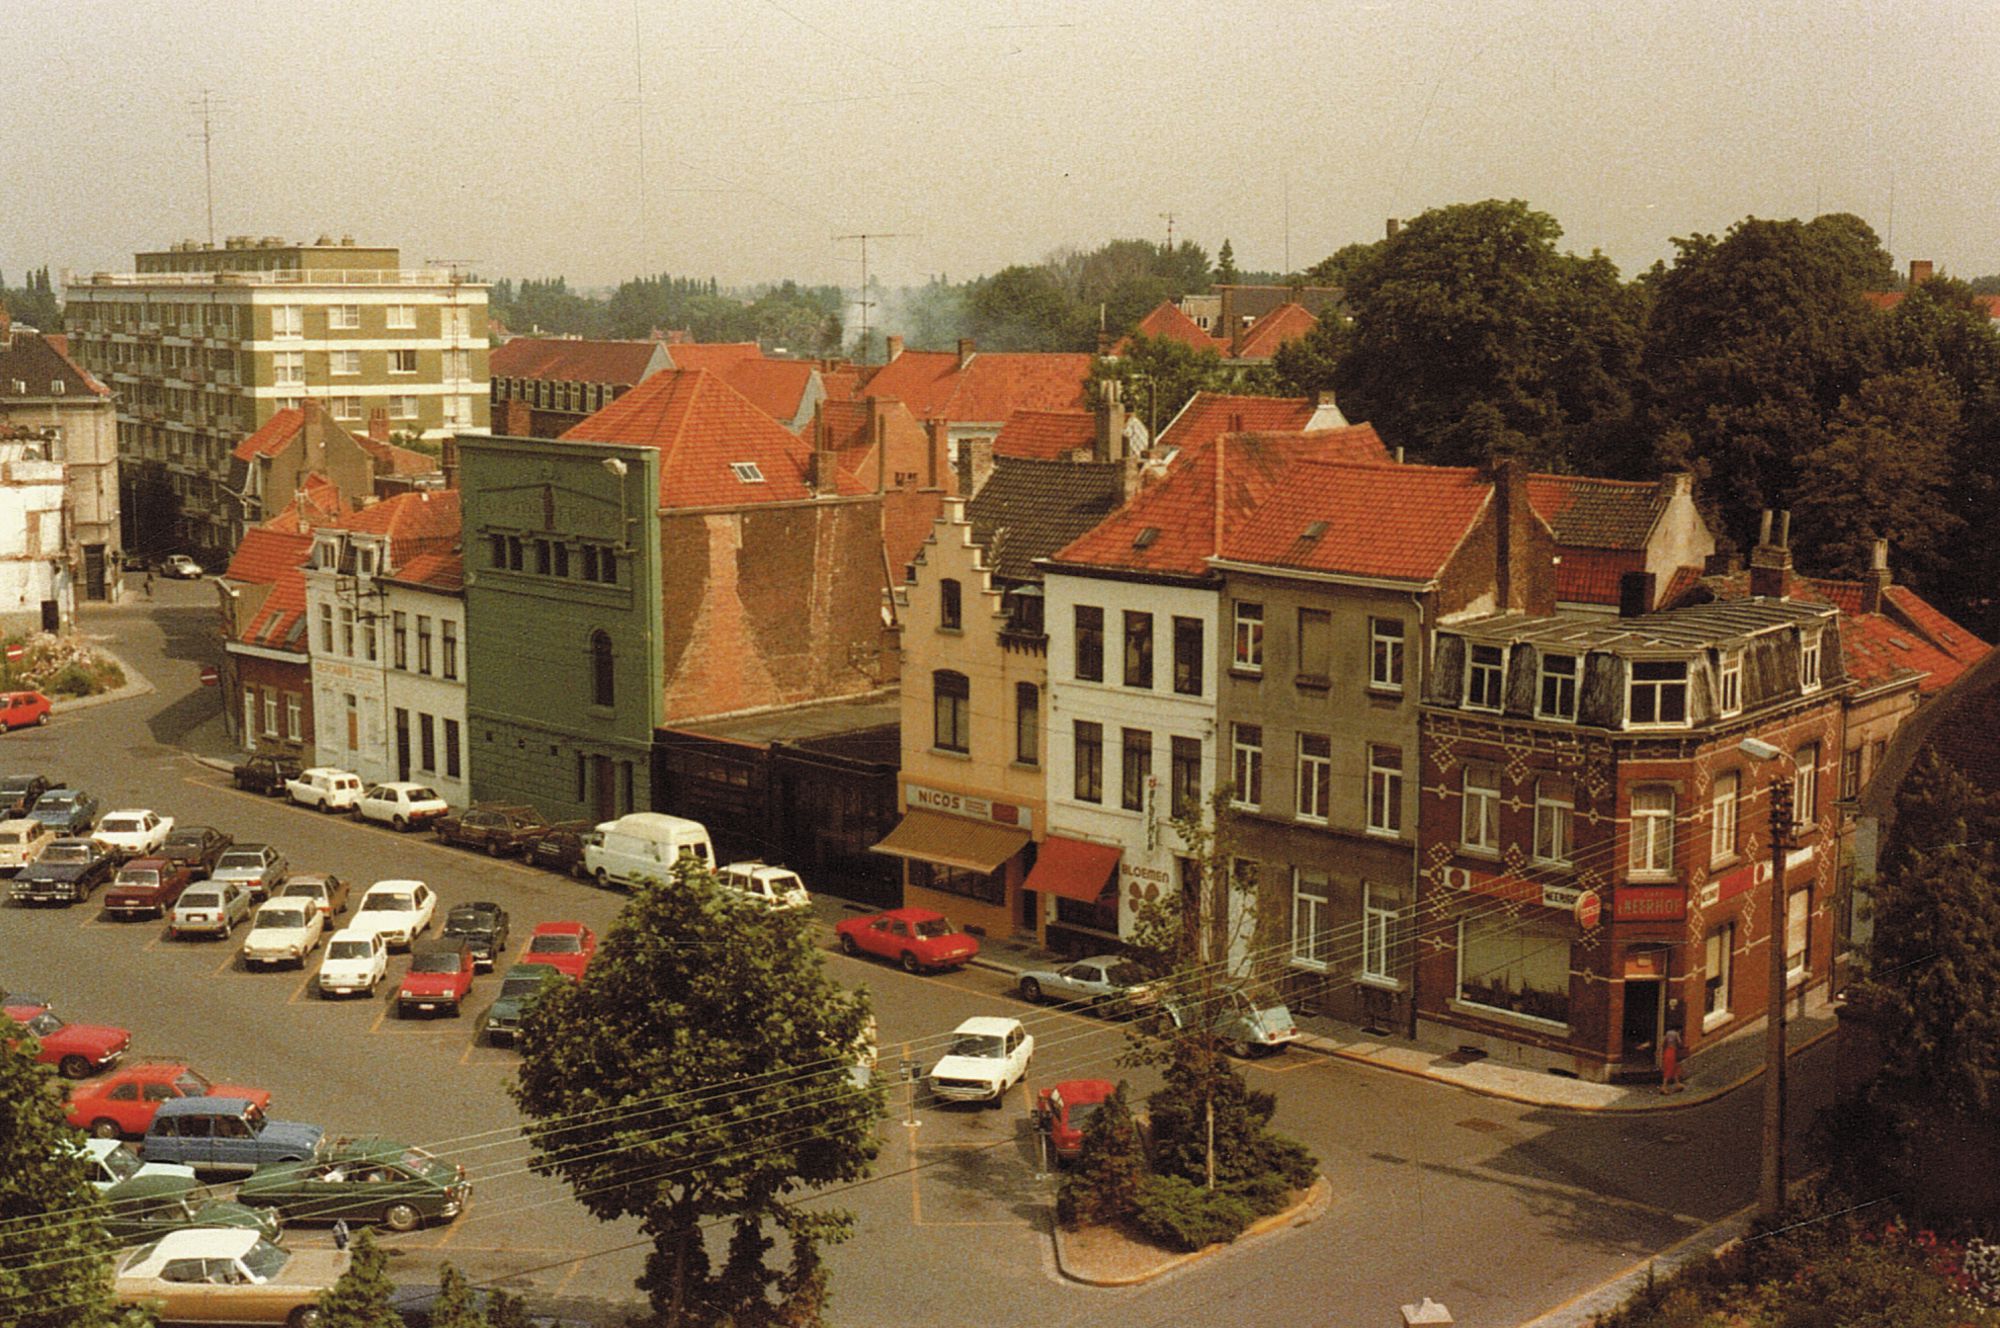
104,1128
399,824
304,1316
910,964
401,1217
495,848
847,945
603,879
1031,991
997,1101
74,1067
1241,1049
41,719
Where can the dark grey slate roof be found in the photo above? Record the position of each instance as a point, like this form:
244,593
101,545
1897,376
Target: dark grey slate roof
1694,626
1029,508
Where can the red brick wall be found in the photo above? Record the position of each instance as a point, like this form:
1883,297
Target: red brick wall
771,606
286,680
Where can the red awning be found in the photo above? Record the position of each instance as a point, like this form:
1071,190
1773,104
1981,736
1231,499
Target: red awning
1073,868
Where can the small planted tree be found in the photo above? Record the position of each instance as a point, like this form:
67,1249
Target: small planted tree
364,1295
699,1075
1103,1186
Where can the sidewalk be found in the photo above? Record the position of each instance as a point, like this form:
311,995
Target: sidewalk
1717,1068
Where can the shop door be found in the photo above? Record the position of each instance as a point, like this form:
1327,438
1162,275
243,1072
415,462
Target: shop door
1642,1022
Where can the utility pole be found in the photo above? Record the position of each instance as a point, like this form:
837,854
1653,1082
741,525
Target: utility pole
1771,1189
866,303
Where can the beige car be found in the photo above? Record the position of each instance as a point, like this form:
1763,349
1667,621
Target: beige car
227,1275
21,842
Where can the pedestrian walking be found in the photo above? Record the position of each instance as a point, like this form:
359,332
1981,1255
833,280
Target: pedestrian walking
340,1234
1670,1051
149,583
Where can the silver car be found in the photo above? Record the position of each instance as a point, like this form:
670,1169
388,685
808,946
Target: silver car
1110,983
209,908
258,868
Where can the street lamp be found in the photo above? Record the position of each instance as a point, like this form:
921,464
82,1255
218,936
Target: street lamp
1771,1183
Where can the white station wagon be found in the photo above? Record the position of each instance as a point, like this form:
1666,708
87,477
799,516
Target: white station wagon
326,788
773,887
22,841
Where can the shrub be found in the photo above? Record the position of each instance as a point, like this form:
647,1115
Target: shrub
1181,1215
1103,1186
1248,1157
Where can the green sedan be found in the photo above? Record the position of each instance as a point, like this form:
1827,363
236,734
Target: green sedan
147,1207
362,1180
523,985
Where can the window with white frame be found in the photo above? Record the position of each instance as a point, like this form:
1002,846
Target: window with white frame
1312,930
403,316
1722,817
1249,637
1480,824
458,411
343,317
1385,789
1556,695
1385,654
326,628
1555,819
270,713
250,717
457,367
1485,677
345,363
1729,682
288,320
347,632
347,408
1805,788
1657,692
1652,827
1798,917
1809,661
1246,742
289,367
293,719
402,408
1378,930
1716,960
403,361
1315,776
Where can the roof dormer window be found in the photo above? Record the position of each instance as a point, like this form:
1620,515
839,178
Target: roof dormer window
1809,661
747,472
1144,539
1657,692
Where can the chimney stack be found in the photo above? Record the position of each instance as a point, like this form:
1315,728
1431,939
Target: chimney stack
1921,270
1395,225
966,347
940,452
1510,501
893,346
1635,594
1878,579
378,424
1110,440
1771,560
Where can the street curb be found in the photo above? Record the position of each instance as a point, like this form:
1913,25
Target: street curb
136,684
1585,1306
1308,1209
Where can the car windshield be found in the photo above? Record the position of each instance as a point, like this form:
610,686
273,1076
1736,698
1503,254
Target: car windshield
1079,1115
349,950
51,802
932,930
184,839
1125,974
442,961
191,1084
423,795
57,853
15,783
417,1160
239,859
204,899
274,918
130,877
386,903
44,1024
122,1162
977,1044
265,1260
122,825
520,984
561,942
303,890
468,919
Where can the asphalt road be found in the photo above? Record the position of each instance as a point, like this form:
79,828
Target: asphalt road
1499,1210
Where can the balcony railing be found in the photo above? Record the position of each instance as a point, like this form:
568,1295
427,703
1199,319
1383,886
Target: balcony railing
290,276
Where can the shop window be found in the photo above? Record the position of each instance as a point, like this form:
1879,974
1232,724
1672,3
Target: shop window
1521,969
985,887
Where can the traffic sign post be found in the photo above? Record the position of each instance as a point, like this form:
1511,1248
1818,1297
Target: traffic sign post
210,677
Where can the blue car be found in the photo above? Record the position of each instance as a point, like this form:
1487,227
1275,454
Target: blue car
66,811
227,1134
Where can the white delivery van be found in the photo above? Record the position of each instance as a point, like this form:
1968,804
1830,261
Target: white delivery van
644,846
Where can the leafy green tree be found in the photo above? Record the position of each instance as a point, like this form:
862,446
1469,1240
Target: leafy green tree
1225,265
34,303
1469,325
1752,343
685,1085
1158,375
1338,267
364,1297
53,1255
1024,308
1885,471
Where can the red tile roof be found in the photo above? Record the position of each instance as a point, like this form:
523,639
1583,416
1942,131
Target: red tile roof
1183,508
1209,415
1591,576
846,425
265,554
776,387
423,522
443,572
841,384
324,506
1284,324
271,436
1396,522
1168,322
1047,435
718,357
1585,512
1887,300
572,361
280,620
989,389
702,427
393,460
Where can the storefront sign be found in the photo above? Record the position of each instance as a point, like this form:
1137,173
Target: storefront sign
1645,963
966,804
1563,897
1751,874
1499,887
1649,903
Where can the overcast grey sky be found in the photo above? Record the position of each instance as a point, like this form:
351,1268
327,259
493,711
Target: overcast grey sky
982,132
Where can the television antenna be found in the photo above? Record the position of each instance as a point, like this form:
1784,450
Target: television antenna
207,104
864,237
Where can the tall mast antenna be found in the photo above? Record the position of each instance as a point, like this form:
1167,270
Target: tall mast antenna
208,160
639,88
866,303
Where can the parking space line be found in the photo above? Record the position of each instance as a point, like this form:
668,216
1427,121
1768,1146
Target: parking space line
227,965
305,984
459,1222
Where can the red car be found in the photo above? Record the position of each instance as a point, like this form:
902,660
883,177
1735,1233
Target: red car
440,976
20,709
124,1102
1062,1112
147,885
916,938
563,946
74,1049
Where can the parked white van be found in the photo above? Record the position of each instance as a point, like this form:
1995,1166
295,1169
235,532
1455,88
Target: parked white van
644,846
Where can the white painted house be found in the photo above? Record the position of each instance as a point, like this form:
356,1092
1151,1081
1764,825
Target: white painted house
37,593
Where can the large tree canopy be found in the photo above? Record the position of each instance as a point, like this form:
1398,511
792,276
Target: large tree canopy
701,1073
1471,334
